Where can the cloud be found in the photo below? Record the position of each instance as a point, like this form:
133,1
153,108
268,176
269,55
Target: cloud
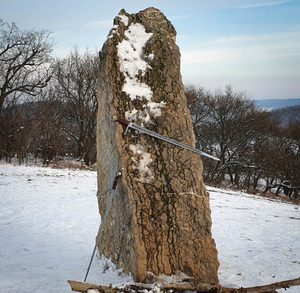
246,39
264,4
102,24
235,39
203,56
246,49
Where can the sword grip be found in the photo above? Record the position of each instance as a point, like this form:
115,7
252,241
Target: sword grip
124,122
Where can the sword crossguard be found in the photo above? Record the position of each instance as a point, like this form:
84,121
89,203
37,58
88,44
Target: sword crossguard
123,122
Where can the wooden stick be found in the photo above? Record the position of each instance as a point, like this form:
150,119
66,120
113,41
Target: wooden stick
179,287
272,287
84,287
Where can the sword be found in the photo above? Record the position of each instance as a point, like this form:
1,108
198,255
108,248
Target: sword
141,129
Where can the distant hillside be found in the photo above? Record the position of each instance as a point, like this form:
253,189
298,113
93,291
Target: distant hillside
273,104
287,115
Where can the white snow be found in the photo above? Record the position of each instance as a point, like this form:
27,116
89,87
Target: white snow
142,161
114,30
143,115
133,66
49,219
130,52
136,89
93,291
150,56
124,19
258,239
155,108
136,115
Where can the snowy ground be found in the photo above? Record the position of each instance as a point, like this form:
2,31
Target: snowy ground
49,219
258,240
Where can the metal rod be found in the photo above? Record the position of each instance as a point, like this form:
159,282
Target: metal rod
115,183
91,260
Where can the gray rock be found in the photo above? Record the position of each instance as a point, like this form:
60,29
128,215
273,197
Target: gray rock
158,218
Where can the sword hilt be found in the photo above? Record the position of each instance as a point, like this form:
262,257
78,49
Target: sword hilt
123,122
118,175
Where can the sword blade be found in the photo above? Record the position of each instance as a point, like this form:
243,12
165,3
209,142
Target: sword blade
169,140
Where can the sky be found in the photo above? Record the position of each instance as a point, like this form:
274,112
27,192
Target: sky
253,45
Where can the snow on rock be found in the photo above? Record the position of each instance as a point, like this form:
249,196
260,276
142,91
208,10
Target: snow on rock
179,277
155,108
150,56
142,161
124,19
135,115
130,52
114,30
132,65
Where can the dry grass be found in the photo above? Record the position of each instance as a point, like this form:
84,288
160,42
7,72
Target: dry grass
73,165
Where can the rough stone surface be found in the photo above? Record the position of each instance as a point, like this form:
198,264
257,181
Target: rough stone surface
158,218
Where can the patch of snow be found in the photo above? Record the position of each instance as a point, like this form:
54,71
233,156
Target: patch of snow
132,65
155,289
130,52
173,279
144,115
124,19
155,108
150,56
137,115
142,161
137,90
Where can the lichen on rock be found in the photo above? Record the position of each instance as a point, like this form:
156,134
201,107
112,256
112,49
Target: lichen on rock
158,218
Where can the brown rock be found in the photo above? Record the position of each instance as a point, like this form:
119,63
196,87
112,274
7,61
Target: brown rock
158,218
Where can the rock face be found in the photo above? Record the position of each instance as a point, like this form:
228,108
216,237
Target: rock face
157,219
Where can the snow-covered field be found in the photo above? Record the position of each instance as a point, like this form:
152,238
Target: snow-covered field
49,219
258,240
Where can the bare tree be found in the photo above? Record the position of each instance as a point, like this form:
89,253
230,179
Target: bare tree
50,142
24,61
17,130
76,78
251,144
223,125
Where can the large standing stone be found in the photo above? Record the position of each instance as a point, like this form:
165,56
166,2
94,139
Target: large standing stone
158,218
